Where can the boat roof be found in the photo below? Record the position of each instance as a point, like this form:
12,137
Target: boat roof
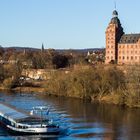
13,113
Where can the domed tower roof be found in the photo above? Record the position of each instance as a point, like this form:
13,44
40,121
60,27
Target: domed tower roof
115,13
115,19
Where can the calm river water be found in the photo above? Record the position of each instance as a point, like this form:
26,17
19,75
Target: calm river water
79,120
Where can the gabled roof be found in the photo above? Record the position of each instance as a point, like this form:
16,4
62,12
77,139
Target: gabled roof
129,38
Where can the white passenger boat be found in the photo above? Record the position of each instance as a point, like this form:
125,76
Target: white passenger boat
21,122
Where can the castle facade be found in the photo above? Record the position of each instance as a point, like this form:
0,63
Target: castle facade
121,48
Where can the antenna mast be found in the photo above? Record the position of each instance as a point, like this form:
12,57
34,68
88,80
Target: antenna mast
115,4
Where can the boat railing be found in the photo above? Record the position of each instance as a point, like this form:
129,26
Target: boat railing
42,111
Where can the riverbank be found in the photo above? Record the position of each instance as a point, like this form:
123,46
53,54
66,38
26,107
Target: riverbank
107,85
24,89
108,99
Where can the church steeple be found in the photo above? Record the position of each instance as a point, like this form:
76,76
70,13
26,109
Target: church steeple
42,48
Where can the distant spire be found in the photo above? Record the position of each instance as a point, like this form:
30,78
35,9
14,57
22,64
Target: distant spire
42,48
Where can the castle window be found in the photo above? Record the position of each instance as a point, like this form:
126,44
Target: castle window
112,52
112,47
119,57
123,57
136,52
111,57
131,57
127,57
119,52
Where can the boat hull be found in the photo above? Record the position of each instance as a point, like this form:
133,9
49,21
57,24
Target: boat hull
16,132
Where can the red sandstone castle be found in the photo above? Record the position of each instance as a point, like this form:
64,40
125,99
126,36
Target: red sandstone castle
121,48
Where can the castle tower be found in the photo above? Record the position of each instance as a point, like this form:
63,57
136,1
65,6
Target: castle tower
114,32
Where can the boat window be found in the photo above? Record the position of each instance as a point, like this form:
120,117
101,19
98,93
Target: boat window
19,126
24,127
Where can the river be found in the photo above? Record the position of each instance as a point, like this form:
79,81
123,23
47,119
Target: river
80,120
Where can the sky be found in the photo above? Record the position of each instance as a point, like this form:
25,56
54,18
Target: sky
63,24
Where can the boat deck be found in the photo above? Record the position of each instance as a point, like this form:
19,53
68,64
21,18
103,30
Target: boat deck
15,114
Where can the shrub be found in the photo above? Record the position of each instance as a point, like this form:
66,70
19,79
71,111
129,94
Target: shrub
86,83
8,83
